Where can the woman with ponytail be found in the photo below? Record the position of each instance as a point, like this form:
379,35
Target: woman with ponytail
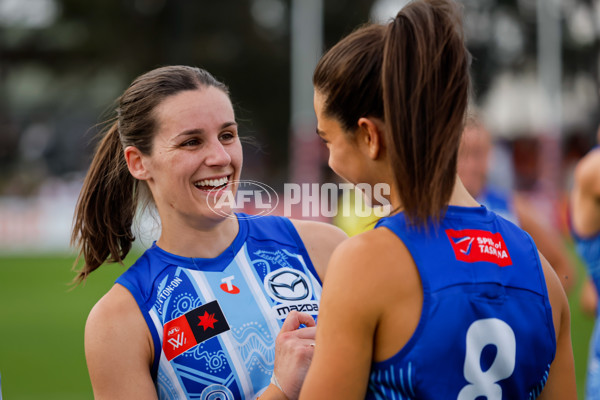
443,299
197,315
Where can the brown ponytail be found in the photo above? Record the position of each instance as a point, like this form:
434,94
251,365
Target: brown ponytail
110,195
106,207
426,88
414,74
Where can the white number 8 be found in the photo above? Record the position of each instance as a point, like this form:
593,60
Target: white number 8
481,333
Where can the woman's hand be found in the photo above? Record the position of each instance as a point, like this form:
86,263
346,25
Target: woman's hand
294,349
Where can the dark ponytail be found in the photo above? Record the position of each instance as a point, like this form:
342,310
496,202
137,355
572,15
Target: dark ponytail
109,199
106,207
414,74
426,88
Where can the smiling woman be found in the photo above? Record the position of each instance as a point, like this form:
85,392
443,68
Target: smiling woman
195,150
194,317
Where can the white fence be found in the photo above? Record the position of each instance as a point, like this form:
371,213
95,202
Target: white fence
43,223
38,224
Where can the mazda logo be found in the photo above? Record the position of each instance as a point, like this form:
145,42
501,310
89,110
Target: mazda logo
287,285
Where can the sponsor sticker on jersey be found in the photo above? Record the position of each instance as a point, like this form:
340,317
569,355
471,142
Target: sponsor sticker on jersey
227,285
192,328
292,290
473,245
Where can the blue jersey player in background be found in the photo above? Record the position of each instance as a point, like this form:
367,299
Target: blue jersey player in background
474,168
198,313
585,229
444,299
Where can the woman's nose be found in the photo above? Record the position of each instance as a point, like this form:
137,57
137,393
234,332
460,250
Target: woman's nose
218,155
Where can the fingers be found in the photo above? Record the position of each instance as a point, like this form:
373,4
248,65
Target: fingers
307,333
294,319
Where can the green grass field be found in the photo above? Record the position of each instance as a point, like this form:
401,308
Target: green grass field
41,326
42,322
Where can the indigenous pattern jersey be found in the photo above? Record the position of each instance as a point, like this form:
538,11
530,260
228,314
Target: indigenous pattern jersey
486,328
214,321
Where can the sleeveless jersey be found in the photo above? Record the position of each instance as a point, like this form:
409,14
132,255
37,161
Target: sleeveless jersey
214,321
486,328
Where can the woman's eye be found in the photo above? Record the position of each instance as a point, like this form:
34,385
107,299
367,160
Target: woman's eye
227,136
191,142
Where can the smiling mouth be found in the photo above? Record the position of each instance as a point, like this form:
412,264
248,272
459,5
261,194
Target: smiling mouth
212,184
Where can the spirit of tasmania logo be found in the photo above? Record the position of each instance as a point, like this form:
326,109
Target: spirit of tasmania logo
473,245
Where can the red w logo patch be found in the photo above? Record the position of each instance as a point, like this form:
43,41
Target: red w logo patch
194,327
473,245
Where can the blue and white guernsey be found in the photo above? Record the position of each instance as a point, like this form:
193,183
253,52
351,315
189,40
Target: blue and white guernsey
214,321
486,328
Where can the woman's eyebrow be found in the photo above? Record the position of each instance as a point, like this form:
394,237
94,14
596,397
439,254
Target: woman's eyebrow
200,131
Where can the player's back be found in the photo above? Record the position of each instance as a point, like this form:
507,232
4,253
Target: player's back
486,327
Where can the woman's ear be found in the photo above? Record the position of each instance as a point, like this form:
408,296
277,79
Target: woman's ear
370,134
135,163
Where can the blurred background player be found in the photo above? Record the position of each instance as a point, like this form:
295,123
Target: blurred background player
474,170
585,228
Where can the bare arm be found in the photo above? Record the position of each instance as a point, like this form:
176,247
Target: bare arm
347,324
320,240
118,348
548,241
588,299
585,196
561,380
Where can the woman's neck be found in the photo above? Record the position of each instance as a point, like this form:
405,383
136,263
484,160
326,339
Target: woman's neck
460,196
208,241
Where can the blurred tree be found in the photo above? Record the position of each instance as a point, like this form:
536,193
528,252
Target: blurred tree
63,62
87,55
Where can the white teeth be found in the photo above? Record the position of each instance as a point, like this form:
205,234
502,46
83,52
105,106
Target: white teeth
212,182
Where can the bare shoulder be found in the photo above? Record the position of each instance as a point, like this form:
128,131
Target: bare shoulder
320,240
372,241
370,254
118,347
321,230
375,274
115,309
361,272
587,170
116,321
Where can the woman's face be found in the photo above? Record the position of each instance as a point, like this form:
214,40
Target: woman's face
345,158
196,152
473,156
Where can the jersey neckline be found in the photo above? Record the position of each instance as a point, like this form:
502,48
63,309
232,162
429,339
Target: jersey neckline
207,264
461,212
481,213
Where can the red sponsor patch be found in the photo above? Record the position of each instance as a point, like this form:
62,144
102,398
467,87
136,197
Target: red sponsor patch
178,337
192,328
473,245
229,288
